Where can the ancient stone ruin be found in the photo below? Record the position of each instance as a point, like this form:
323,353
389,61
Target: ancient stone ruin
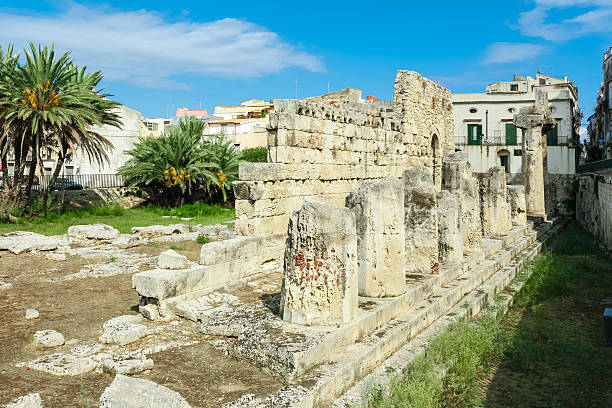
366,230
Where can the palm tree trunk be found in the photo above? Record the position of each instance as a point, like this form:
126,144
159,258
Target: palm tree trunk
31,174
56,172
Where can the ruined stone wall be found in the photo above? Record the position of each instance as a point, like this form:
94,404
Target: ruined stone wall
323,152
593,208
96,197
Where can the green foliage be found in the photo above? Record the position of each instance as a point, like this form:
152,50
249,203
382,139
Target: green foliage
173,166
49,103
177,247
192,210
254,154
202,239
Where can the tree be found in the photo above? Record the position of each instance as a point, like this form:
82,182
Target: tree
172,166
50,103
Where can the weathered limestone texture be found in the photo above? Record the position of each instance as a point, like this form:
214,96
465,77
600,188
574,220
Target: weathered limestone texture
495,210
421,220
534,121
450,234
457,178
379,214
517,203
27,401
593,208
323,152
320,275
130,392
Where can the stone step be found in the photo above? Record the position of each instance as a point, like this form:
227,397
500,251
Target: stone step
289,351
345,368
381,377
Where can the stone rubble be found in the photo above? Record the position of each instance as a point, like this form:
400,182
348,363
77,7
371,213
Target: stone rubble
31,314
26,401
171,259
125,241
98,232
161,230
48,338
127,392
23,241
56,256
123,330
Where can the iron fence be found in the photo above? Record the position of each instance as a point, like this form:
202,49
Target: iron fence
71,182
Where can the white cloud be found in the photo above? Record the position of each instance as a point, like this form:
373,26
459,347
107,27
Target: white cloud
535,22
503,52
584,134
141,48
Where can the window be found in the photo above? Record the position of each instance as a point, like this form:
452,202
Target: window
473,110
518,152
510,134
504,162
151,126
511,110
552,137
513,87
474,134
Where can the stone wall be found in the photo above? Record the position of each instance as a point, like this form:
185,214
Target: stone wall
97,197
323,152
593,208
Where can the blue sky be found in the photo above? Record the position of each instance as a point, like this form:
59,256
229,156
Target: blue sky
160,55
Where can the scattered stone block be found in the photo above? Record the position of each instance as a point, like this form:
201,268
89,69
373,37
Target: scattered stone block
320,273
27,401
494,205
56,256
123,330
22,241
457,178
420,220
5,285
129,366
62,364
449,229
31,314
127,392
125,241
171,259
100,232
161,230
379,215
48,338
517,204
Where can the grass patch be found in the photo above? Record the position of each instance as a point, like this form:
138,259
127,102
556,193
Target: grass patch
55,223
202,239
548,351
177,247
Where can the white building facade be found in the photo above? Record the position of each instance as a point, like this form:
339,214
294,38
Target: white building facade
484,127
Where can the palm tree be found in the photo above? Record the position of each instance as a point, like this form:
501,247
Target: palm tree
50,102
223,159
169,165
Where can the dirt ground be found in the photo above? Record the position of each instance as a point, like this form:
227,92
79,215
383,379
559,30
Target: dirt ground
77,309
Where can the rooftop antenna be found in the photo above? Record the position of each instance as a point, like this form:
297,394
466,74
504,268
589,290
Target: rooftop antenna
327,86
296,88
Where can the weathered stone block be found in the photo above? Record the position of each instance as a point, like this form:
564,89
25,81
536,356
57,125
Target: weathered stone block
48,338
457,178
494,206
320,273
171,259
421,220
449,228
516,201
379,215
138,392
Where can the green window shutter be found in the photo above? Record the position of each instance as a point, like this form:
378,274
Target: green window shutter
551,137
510,134
479,134
474,134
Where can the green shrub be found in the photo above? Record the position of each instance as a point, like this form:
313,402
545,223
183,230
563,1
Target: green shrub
202,239
254,154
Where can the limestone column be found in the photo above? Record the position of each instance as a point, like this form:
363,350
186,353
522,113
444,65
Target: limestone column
421,220
534,121
320,266
457,179
379,215
449,229
495,211
516,201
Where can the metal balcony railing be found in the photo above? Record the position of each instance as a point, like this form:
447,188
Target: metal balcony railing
72,182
